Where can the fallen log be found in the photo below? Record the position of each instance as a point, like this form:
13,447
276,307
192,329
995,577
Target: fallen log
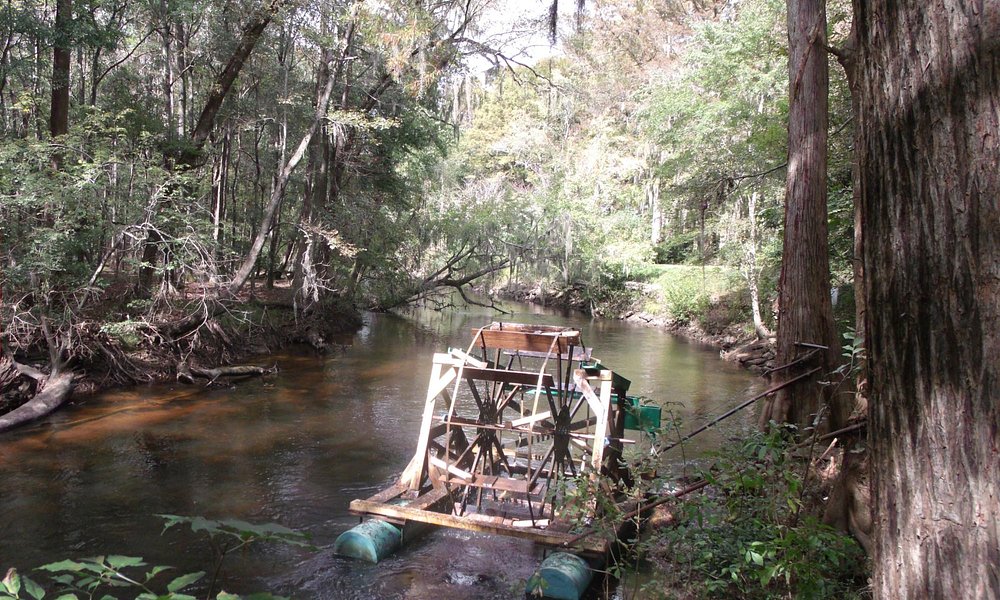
56,391
187,373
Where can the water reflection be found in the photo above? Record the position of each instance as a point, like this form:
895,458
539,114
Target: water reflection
296,448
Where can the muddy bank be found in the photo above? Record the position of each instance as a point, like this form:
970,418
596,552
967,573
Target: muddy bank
113,349
733,343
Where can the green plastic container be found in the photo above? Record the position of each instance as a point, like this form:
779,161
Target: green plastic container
370,541
562,576
641,417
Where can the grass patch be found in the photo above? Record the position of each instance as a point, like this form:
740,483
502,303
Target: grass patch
687,293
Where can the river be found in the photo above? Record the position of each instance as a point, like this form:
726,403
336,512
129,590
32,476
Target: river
296,448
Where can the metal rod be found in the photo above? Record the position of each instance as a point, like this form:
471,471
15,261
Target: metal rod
662,500
798,360
735,410
808,345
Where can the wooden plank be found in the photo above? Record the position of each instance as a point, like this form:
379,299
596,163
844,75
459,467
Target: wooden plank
388,494
601,408
530,342
432,500
468,359
414,472
540,536
527,327
579,353
465,475
618,383
531,419
500,484
505,376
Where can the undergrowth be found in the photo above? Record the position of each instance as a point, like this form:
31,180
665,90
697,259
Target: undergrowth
751,534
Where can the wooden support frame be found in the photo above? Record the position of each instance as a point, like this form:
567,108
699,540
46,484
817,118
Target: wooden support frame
538,422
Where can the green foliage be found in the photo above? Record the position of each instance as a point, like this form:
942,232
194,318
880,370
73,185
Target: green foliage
752,537
109,577
240,532
678,248
853,352
687,293
126,332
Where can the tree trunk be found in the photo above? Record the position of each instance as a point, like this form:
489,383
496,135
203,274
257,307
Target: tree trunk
59,115
57,390
929,92
270,211
248,39
753,269
655,211
167,83
805,309
191,156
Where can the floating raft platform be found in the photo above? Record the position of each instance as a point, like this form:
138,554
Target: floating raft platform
393,506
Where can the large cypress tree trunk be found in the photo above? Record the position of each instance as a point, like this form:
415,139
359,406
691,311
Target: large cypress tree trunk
929,106
805,309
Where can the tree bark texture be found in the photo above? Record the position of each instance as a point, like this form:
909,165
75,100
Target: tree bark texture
929,114
805,309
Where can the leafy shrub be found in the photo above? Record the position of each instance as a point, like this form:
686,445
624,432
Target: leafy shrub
685,299
677,249
126,332
753,538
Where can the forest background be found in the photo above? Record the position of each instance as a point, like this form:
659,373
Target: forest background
656,134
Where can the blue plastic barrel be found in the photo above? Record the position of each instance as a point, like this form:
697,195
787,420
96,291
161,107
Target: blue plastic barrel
562,576
371,541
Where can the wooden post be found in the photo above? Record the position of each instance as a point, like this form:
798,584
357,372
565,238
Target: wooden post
600,406
414,472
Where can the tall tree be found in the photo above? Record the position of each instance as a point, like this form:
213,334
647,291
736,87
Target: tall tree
805,309
928,79
59,115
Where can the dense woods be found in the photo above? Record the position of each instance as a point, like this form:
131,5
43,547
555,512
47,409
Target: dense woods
821,170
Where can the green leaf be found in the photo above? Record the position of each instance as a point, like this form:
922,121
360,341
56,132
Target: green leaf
156,571
63,566
33,589
184,580
68,597
120,562
12,582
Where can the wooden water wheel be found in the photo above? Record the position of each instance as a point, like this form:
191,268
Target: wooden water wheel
512,424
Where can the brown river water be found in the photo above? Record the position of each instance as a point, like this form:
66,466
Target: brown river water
296,448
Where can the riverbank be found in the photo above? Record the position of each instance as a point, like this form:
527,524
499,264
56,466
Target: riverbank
111,346
703,310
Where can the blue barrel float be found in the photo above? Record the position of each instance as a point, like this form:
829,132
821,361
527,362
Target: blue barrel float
371,541
562,576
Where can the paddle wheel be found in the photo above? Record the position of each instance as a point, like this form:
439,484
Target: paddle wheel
511,426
